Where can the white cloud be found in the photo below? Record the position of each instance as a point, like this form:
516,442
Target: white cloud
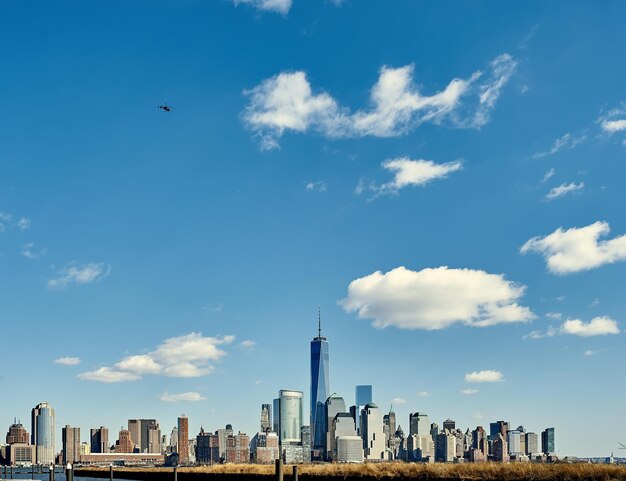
247,345
410,172
287,102
567,141
4,217
398,400
547,176
28,251
186,356
468,391
183,396
279,6
187,369
435,298
484,376
108,375
590,353
564,189
423,394
139,364
578,249
23,224
551,332
318,186
80,274
612,126
67,361
598,326
555,316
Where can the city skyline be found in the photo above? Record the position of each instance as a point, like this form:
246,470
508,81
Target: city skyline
444,179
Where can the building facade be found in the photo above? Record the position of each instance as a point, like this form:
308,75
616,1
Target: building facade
320,387
183,440
43,433
99,440
372,433
71,444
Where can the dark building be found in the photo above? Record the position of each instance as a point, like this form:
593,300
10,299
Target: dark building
319,389
547,441
17,434
99,440
207,448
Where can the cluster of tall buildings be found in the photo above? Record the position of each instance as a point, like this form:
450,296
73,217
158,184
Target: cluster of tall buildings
331,431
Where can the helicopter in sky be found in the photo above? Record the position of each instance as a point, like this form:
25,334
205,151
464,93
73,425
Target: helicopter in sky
165,107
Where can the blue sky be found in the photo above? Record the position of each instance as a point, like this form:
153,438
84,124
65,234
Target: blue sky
443,178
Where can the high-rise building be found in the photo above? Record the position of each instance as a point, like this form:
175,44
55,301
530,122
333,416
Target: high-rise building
449,424
499,427
71,444
43,433
85,449
264,448
500,448
99,438
362,397
153,438
183,440
514,443
479,441
222,439
445,450
532,443
547,441
17,434
372,433
290,416
174,440
207,448
238,449
334,405
266,418
124,443
389,421
276,411
419,424
320,387
141,430
134,429
342,425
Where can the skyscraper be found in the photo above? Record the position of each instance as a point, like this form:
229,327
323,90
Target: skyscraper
43,433
362,397
289,416
419,424
99,440
71,444
319,387
334,405
547,441
183,440
266,418
372,432
17,434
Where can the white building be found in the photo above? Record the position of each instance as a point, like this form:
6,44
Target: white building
372,433
513,439
349,449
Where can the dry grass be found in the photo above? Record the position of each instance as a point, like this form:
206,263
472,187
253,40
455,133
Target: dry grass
469,472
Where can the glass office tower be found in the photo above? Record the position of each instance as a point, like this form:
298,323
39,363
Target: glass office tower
362,397
289,416
320,388
43,432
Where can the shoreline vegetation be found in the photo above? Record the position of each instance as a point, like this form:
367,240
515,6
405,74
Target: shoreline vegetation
375,471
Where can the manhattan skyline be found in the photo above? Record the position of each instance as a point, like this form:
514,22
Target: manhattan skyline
448,187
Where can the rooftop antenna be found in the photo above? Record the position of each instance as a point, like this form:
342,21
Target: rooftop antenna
319,321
